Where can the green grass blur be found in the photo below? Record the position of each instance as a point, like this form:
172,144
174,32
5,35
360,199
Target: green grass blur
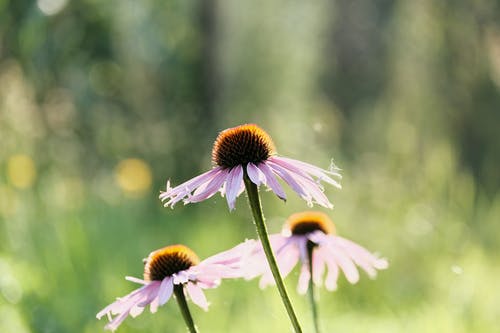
102,101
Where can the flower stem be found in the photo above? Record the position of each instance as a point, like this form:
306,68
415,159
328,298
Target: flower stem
181,300
310,290
255,205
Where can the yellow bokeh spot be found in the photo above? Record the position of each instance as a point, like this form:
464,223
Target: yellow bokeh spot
21,171
133,176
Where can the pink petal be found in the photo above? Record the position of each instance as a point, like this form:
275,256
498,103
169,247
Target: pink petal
318,266
364,259
132,304
289,179
207,283
304,278
315,191
153,307
136,280
333,269
232,255
294,168
216,271
305,275
166,289
176,194
358,254
233,185
280,243
302,244
345,263
255,175
122,304
301,183
197,295
242,188
271,180
288,261
150,296
210,189
113,325
321,174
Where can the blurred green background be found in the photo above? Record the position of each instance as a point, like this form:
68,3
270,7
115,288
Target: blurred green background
102,101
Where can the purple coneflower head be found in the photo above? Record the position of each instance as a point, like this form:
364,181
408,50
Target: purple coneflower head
175,265
248,149
313,231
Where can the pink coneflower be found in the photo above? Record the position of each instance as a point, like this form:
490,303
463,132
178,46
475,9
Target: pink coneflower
313,231
248,149
175,269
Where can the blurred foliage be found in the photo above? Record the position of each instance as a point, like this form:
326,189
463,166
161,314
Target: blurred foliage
102,101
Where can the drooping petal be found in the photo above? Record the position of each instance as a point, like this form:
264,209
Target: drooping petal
333,269
166,289
150,297
113,325
233,185
211,187
297,174
305,274
176,194
290,167
321,174
197,295
304,278
288,261
361,256
304,185
344,262
123,303
153,307
271,180
318,266
315,191
356,253
290,180
132,304
255,175
302,244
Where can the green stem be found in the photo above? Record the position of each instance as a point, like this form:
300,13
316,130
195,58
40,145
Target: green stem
181,300
254,201
310,289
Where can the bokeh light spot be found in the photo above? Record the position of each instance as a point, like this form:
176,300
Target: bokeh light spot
51,7
21,171
133,176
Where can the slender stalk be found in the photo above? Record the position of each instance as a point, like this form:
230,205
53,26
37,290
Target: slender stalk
310,289
181,300
255,205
